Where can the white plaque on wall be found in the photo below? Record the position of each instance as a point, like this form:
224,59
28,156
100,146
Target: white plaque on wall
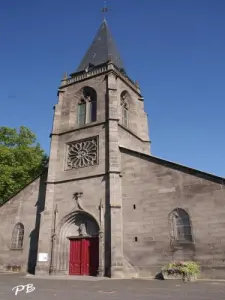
42,256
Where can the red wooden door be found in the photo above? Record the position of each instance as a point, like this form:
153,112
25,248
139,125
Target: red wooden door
84,257
94,257
75,257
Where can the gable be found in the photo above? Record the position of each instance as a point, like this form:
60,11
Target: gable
197,174
29,191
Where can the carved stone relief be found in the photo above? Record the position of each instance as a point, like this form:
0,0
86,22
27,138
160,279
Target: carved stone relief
82,153
82,229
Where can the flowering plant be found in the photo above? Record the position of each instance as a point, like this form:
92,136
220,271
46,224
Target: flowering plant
184,268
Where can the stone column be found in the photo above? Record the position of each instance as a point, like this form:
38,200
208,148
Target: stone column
88,112
101,267
101,254
114,169
47,218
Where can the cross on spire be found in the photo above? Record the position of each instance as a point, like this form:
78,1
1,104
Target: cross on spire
105,9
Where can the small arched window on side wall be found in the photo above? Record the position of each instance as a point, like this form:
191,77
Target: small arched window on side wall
87,107
180,226
17,237
124,108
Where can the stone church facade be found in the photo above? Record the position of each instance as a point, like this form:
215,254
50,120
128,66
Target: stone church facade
105,206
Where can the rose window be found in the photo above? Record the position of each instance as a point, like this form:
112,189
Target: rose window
82,154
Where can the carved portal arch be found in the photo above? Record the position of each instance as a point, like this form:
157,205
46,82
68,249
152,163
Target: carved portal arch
77,224
76,217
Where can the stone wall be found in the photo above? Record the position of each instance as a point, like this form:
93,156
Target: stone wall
131,141
93,193
137,118
151,189
24,207
62,172
62,179
92,189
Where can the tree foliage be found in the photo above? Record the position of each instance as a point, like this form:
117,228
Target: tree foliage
21,160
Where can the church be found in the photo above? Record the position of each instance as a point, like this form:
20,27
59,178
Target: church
104,206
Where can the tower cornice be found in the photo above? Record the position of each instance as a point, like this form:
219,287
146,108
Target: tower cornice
101,70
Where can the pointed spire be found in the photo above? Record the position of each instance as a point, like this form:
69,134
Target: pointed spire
102,50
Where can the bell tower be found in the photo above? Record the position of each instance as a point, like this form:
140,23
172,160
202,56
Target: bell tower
99,110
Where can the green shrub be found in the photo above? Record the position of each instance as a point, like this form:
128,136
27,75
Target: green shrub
185,268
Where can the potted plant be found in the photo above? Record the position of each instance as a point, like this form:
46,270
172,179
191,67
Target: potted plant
185,270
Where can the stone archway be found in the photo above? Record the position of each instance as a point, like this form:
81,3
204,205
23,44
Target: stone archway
78,227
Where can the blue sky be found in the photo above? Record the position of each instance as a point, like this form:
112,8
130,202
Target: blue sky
175,49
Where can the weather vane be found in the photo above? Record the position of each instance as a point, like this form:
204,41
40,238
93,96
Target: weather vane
105,9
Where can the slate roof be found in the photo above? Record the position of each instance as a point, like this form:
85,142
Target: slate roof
102,49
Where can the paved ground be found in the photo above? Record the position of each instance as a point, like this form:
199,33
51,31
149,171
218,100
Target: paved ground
92,289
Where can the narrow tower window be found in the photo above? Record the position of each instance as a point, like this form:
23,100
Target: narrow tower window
87,107
124,108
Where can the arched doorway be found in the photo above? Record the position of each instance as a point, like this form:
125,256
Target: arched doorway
78,245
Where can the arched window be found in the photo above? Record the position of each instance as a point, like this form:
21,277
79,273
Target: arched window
87,107
17,237
180,226
124,108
